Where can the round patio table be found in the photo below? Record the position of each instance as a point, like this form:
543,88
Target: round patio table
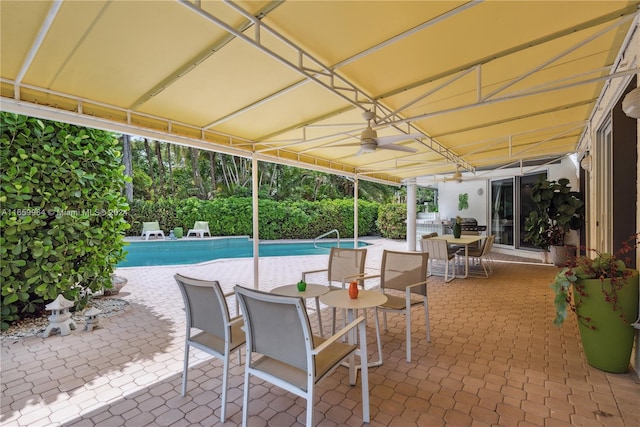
312,291
366,299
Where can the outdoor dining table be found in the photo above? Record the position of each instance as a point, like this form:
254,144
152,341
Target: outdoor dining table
464,240
312,291
366,299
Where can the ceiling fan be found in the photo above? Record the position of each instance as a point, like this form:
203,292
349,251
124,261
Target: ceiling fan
370,142
457,176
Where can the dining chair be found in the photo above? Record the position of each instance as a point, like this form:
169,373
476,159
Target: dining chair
344,265
482,255
438,251
219,333
282,350
403,277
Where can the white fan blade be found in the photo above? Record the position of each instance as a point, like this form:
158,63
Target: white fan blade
386,140
397,148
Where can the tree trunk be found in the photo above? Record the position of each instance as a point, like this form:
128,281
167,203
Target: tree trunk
227,173
161,173
274,178
173,189
152,175
212,167
128,167
197,179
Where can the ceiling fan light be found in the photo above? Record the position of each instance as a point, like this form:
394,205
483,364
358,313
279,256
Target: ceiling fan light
368,115
367,147
631,104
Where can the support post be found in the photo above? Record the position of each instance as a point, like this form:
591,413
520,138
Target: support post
411,213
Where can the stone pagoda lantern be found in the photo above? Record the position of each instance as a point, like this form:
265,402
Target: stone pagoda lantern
91,317
60,318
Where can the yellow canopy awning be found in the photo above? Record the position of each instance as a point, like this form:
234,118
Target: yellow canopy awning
477,84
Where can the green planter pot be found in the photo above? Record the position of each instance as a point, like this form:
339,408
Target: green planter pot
608,346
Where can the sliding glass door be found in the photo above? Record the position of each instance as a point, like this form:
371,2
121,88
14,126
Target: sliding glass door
502,211
510,204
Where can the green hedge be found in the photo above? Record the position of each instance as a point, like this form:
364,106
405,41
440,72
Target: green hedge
232,216
62,224
392,221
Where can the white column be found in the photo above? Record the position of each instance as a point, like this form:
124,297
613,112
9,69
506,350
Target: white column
355,211
256,234
411,213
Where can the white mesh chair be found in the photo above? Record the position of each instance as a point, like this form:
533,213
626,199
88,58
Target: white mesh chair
403,277
220,334
438,252
345,264
282,350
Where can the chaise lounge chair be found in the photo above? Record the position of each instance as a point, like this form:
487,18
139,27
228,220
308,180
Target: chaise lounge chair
151,229
199,229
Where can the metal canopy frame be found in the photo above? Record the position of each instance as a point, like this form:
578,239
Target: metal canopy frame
316,141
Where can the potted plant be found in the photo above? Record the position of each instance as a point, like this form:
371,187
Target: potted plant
603,293
537,232
562,209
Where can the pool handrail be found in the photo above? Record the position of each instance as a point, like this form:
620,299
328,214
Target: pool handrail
335,230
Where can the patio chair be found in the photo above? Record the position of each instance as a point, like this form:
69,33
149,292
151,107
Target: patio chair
438,251
345,264
220,334
151,229
482,256
200,228
403,275
281,349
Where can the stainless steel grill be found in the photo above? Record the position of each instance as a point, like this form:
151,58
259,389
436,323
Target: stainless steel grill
468,224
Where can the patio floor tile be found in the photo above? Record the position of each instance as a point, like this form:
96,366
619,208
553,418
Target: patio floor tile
495,359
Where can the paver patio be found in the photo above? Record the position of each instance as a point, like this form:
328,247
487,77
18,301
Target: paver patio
494,359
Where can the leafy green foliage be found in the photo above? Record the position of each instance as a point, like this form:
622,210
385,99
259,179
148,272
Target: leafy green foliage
609,268
167,171
537,229
463,201
392,220
62,217
232,216
558,210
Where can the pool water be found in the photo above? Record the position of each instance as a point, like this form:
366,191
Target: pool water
191,251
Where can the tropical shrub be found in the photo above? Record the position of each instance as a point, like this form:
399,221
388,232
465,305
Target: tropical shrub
392,221
232,216
62,223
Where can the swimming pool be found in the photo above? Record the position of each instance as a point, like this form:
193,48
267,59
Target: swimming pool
191,251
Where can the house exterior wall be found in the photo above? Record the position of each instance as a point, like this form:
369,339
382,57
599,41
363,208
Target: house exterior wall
611,95
479,190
